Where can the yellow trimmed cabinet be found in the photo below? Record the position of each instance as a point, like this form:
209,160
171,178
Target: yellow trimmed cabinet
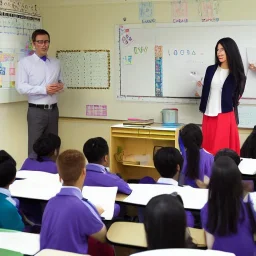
132,149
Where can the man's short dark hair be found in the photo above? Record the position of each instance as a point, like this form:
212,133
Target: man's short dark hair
39,32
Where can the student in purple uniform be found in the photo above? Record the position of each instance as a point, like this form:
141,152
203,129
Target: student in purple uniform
97,153
248,185
226,219
69,220
165,223
47,149
9,215
197,164
168,162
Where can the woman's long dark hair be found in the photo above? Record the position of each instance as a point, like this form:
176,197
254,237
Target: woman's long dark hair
248,149
225,197
192,138
165,222
235,66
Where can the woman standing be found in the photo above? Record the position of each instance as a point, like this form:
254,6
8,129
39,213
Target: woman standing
223,86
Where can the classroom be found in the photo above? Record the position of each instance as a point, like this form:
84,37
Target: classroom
94,28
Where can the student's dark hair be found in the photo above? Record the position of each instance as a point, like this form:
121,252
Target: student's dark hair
39,32
225,197
165,223
46,145
166,160
248,149
95,149
7,169
235,65
4,156
230,153
192,138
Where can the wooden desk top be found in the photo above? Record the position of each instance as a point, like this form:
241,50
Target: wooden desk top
120,197
133,234
48,252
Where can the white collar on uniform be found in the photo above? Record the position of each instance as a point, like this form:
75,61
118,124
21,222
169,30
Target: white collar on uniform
8,194
168,181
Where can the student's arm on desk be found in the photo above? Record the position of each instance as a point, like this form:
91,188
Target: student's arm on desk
123,186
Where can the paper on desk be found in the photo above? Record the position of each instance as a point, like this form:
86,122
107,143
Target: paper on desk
142,193
247,166
32,189
22,242
38,176
102,196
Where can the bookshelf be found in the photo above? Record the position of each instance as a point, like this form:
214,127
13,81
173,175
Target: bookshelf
131,149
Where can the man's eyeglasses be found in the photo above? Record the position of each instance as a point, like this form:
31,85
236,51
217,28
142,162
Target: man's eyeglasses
41,42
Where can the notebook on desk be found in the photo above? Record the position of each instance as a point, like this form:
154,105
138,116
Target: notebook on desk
247,166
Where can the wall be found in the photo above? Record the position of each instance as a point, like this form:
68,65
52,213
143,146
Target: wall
89,24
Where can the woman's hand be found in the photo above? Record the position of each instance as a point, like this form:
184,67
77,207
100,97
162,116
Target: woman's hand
199,83
252,67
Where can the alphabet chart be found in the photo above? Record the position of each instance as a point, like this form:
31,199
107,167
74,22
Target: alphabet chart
85,69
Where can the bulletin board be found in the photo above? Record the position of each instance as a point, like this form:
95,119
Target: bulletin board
85,69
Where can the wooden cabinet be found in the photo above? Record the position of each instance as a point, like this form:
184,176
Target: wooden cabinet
138,142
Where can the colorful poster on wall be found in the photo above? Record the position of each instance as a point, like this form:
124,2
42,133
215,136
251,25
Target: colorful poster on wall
96,110
15,43
146,12
209,10
179,11
159,71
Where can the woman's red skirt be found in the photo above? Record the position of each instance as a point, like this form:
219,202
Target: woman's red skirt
220,132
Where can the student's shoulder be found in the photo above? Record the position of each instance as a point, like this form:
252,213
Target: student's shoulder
6,205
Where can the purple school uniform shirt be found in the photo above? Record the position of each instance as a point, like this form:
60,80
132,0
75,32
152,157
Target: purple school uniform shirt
241,243
205,168
97,175
47,165
68,220
164,181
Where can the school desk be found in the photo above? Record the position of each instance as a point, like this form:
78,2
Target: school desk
25,243
142,193
132,234
183,252
132,147
48,252
247,167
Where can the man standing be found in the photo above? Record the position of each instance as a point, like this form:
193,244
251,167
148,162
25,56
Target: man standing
39,77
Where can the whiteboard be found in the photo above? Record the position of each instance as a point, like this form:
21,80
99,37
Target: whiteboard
15,43
184,48
124,98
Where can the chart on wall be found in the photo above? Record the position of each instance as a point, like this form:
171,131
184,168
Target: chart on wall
15,43
163,63
85,69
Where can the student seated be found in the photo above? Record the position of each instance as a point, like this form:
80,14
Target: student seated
69,220
9,215
248,185
226,219
197,164
47,149
168,162
97,153
165,223
248,149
